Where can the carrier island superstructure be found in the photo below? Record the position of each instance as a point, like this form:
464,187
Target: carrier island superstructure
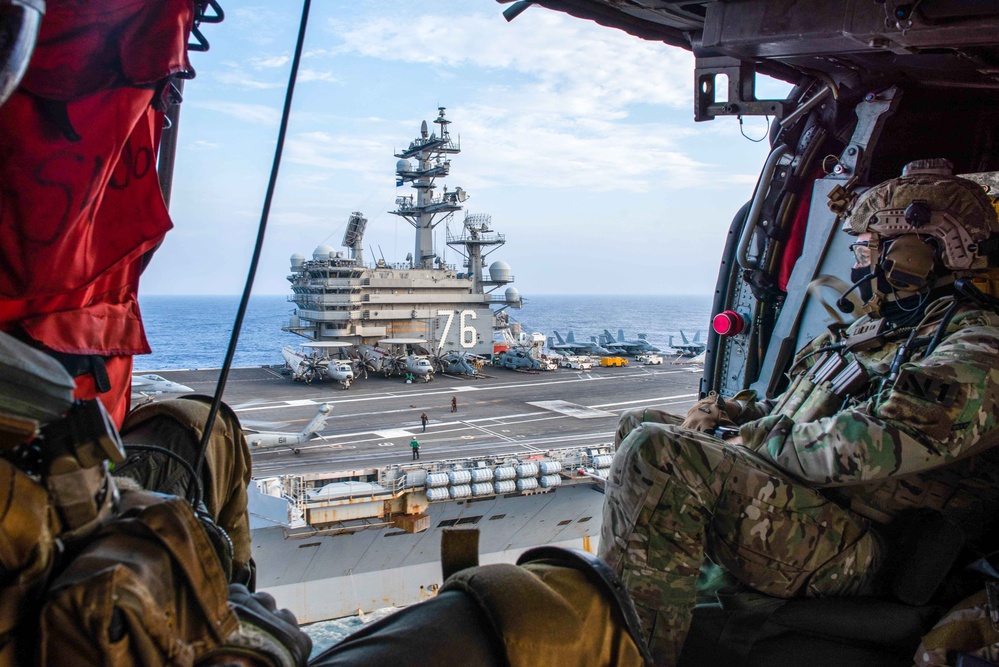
342,299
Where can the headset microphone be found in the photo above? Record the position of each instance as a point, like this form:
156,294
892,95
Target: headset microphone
844,304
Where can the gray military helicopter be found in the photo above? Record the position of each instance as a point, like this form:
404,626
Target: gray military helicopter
518,358
318,361
396,356
877,85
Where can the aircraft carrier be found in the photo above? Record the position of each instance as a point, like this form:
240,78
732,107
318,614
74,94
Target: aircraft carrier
450,309
353,524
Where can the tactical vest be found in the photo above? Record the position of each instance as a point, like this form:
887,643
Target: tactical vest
966,491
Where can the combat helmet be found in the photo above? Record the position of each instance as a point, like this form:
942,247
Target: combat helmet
928,227
927,200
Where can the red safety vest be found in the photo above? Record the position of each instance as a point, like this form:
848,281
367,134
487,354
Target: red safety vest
78,216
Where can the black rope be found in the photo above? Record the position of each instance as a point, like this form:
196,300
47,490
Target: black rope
262,228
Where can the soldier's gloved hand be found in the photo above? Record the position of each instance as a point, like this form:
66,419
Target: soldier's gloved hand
711,412
266,633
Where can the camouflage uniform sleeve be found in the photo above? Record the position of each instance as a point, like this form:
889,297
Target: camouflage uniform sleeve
755,410
938,409
804,359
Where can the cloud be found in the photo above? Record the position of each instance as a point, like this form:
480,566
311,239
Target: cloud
257,114
561,104
306,75
241,79
573,66
202,145
235,74
346,152
256,25
298,219
268,62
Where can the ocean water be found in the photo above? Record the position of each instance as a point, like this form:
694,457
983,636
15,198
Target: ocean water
193,331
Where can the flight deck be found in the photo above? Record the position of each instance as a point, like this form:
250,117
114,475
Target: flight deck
501,411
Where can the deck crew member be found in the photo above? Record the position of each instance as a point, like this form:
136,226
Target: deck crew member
895,412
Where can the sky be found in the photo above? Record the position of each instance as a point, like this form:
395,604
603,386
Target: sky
577,139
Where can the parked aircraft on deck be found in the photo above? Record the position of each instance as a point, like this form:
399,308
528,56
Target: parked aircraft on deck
146,386
395,356
317,362
689,348
630,347
570,346
291,440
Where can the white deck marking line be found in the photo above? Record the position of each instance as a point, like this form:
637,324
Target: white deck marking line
445,393
392,433
301,401
487,431
647,400
571,409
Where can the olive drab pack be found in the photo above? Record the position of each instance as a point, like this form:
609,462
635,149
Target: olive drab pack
92,570
28,526
227,467
146,590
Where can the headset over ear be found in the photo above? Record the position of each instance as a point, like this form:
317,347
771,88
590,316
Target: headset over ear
908,263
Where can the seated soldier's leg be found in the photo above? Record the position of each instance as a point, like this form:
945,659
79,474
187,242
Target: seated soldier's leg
632,419
673,492
786,539
177,425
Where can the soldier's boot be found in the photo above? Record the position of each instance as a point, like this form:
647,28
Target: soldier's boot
555,607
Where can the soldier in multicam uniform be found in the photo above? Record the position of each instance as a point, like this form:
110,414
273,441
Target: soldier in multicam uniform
897,411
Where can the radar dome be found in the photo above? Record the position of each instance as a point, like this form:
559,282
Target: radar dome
513,297
323,252
297,261
403,165
499,271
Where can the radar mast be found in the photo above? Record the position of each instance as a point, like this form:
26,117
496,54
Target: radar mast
425,211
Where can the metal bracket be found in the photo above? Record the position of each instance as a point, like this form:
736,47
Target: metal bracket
872,114
741,100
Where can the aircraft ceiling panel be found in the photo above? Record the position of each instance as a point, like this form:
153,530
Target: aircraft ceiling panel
943,42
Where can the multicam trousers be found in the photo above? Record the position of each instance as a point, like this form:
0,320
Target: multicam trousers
675,496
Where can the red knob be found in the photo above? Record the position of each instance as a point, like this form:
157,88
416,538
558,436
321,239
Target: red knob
728,323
